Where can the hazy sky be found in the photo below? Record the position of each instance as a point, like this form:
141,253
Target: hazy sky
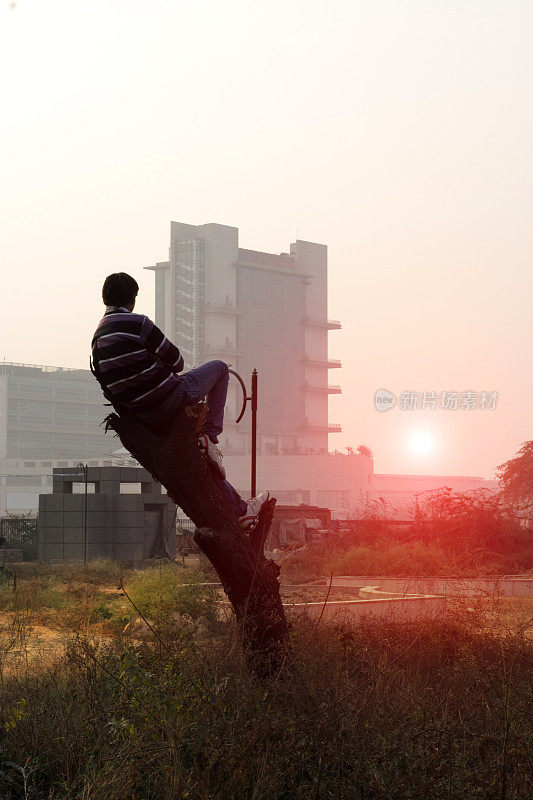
398,133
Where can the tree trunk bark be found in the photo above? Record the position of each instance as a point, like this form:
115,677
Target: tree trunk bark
248,578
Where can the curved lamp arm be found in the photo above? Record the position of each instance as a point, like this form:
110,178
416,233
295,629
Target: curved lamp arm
244,396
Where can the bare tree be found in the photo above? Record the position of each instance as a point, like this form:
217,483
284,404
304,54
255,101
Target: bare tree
248,578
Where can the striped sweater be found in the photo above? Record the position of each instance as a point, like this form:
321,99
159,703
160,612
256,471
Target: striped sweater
134,360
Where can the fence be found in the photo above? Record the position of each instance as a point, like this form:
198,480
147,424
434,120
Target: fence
20,533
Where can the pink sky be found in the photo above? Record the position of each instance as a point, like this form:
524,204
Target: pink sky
398,134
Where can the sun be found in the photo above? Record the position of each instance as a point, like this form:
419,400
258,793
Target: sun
422,442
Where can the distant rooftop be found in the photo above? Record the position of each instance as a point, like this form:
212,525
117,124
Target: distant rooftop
20,370
428,476
283,260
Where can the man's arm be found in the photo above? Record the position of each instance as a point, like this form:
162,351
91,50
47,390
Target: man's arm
160,347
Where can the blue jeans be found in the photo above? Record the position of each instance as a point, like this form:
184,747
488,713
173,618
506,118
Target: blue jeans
212,380
209,380
235,501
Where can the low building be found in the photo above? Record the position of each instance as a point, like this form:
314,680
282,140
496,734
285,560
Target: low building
106,523
398,495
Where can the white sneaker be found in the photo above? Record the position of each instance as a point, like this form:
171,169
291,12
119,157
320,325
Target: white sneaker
212,453
253,507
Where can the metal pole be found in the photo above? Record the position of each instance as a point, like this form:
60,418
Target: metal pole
254,432
253,399
85,517
83,468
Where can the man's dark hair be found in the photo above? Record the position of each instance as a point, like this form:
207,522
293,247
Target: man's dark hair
119,289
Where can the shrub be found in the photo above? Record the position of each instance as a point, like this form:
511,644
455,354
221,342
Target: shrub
100,613
99,571
31,594
464,521
412,558
162,593
453,533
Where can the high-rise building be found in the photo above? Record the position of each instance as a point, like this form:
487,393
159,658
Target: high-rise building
266,311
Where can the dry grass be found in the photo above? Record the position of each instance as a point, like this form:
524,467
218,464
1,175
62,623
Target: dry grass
380,709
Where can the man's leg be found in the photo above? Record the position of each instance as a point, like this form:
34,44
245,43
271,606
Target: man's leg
235,501
209,380
246,512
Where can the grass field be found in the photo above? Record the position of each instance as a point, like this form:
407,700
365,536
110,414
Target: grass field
166,708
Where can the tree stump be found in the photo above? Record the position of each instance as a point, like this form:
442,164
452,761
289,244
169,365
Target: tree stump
248,578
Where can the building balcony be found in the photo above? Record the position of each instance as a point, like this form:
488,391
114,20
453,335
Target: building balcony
223,308
159,265
327,363
329,389
330,427
328,324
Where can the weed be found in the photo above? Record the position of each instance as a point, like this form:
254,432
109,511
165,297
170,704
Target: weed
101,612
100,571
378,709
31,594
164,593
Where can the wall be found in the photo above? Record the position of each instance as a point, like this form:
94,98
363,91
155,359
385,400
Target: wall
118,526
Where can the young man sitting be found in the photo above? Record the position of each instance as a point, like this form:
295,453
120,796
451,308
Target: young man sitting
138,368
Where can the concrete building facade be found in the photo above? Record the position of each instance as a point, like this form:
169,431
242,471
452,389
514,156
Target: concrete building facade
50,413
123,526
252,309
